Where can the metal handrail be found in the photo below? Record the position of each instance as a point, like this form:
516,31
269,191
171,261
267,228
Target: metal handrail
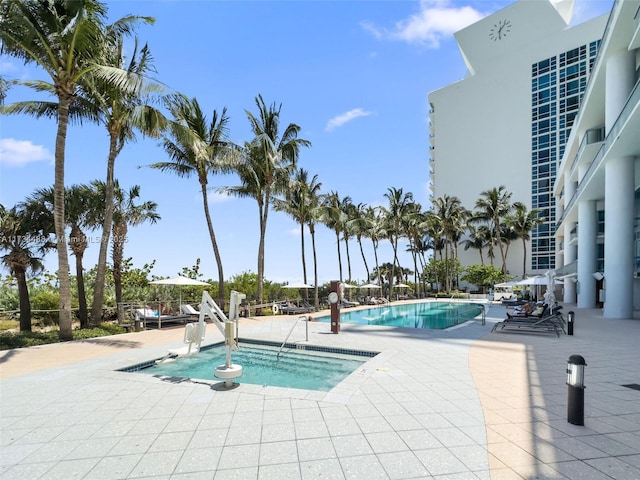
306,318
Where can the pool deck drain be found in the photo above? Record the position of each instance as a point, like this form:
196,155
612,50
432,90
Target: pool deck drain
463,404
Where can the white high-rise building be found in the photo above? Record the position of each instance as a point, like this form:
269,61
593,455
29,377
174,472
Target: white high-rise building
508,121
598,180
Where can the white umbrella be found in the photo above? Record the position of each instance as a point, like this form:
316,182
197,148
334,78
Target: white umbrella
537,280
180,281
401,285
370,285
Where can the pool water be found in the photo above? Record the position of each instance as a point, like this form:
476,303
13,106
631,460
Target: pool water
261,366
432,315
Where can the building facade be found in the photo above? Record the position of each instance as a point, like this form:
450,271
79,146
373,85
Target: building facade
508,121
597,185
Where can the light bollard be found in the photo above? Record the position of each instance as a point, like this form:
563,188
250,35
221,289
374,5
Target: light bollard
571,316
575,395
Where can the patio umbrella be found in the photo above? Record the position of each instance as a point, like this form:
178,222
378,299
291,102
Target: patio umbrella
180,281
401,285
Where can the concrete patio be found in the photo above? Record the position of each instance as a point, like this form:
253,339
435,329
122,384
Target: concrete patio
462,403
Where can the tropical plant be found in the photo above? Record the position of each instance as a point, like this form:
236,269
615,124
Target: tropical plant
395,218
127,213
492,206
197,146
522,221
482,275
122,112
332,216
298,202
67,40
25,240
270,160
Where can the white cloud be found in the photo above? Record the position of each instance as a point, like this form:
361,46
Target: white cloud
21,152
435,20
346,117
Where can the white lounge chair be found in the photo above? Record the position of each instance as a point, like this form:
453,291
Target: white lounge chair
188,310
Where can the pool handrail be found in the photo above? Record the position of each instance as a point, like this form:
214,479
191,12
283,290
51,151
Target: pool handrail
306,318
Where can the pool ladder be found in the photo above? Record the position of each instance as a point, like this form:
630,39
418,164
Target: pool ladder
301,317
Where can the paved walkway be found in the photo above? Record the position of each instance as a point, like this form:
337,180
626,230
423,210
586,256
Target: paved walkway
457,404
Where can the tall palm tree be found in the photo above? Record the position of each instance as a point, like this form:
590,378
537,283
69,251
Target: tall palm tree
66,39
25,239
453,220
522,221
333,218
298,204
122,112
376,232
270,160
197,146
126,213
83,209
492,206
348,208
475,240
359,223
395,216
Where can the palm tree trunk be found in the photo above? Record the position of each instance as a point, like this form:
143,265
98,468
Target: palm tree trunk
364,258
264,210
339,254
65,333
78,243
101,270
312,230
524,258
375,254
304,261
25,302
346,242
119,235
214,244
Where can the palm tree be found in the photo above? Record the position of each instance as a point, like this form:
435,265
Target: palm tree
453,220
126,213
376,231
298,204
395,217
522,221
83,209
66,39
492,206
199,147
359,223
347,207
270,160
25,239
333,217
121,112
476,240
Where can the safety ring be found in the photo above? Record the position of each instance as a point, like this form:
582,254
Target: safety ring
275,308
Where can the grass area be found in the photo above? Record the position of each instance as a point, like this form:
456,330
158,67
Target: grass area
10,340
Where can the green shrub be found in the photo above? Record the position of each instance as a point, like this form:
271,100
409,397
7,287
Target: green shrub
10,340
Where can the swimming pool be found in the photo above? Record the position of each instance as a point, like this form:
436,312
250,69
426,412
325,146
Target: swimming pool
297,366
432,315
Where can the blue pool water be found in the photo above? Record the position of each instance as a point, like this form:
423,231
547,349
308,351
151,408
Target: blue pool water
260,365
433,315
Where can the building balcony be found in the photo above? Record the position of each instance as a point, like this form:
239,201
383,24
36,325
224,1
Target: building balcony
589,146
568,269
604,147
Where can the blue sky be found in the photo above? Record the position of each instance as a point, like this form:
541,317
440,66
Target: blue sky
354,75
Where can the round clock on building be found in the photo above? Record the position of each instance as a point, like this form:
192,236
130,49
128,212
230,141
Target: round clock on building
500,30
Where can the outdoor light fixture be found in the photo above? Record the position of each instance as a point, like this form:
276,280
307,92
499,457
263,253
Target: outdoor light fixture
575,382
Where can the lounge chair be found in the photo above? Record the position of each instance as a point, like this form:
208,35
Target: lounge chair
550,320
290,309
148,315
347,303
189,310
